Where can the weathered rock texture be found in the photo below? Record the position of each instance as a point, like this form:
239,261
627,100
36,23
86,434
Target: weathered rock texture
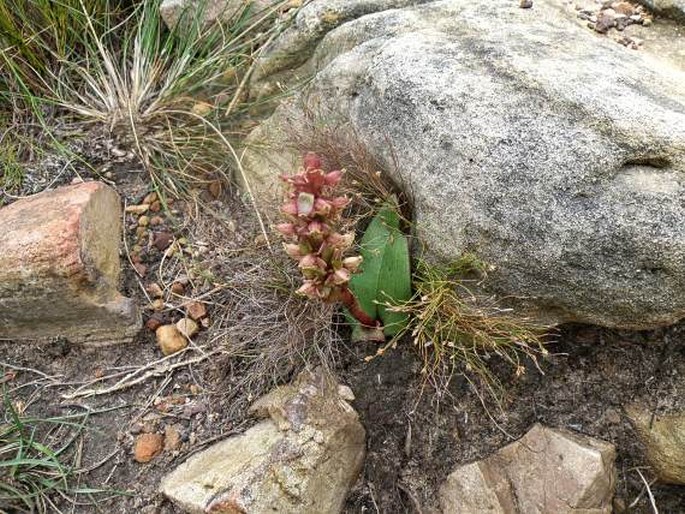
59,267
550,152
302,460
671,8
663,436
172,10
546,471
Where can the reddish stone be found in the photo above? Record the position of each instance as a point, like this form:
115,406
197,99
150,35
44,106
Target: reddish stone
59,266
163,240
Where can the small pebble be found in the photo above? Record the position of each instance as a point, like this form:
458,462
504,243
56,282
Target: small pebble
154,290
150,198
156,220
140,268
526,4
177,288
156,206
143,221
163,240
196,310
147,447
170,339
187,327
137,209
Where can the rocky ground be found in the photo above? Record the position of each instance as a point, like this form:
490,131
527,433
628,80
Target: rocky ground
201,266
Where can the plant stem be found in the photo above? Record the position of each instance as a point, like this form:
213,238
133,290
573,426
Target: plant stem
350,301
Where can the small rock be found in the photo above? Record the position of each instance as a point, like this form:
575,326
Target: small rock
154,290
605,21
137,209
157,305
664,439
624,8
147,447
526,4
156,206
545,471
170,339
153,323
187,327
163,240
196,310
156,220
150,198
143,221
302,478
140,268
141,231
172,438
345,393
647,22
178,288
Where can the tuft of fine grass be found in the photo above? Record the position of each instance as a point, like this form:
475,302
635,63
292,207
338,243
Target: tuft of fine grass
173,97
38,467
455,330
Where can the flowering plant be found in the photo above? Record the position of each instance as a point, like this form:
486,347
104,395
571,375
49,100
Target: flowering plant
313,212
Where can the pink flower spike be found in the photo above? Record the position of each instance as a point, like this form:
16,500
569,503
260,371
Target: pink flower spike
312,161
305,204
333,178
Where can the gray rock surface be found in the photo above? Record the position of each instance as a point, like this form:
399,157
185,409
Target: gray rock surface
302,460
672,8
551,152
172,10
547,471
59,267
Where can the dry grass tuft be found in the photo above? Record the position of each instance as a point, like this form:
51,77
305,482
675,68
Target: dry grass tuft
456,330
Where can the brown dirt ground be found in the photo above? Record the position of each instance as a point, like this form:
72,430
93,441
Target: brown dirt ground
415,436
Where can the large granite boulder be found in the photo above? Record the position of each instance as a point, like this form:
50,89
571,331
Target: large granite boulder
549,151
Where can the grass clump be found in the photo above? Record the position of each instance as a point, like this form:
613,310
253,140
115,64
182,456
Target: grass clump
38,461
454,329
172,97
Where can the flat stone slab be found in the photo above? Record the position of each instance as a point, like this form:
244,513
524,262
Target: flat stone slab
59,267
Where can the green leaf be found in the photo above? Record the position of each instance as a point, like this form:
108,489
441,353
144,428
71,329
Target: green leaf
385,277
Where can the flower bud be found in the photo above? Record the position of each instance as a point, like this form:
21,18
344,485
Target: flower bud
333,178
322,207
341,276
293,250
312,161
308,289
289,208
305,204
352,263
287,229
